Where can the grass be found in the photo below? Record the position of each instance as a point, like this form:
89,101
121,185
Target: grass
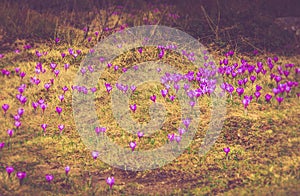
263,159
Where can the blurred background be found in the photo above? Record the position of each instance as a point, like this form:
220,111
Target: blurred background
263,25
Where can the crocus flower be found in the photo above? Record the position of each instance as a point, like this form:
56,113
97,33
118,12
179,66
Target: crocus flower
58,110
252,78
21,175
100,130
66,66
177,138
10,132
257,94
226,150
5,107
9,170
17,124
246,102
172,97
268,97
49,177
153,98
67,169
133,107
17,117
57,40
164,92
240,91
116,67
2,144
43,106
140,50
171,137
44,126
110,181
21,111
61,128
61,97
95,154
279,99
56,72
186,122
132,145
47,86
181,131
108,87
22,75
133,88
258,88
140,134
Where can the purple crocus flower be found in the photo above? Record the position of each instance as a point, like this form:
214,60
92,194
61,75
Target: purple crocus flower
2,144
276,91
56,72
252,78
17,117
10,132
17,124
164,92
226,150
67,169
279,99
177,138
257,95
133,88
277,79
9,170
240,91
61,97
171,137
95,154
66,66
93,89
65,89
172,97
116,67
21,175
58,110
181,131
186,122
258,88
57,40
246,102
140,50
108,87
49,177
268,97
43,106
132,145
22,75
133,107
100,130
5,107
35,105
140,134
110,181
47,86
44,126
153,98
61,128
21,111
